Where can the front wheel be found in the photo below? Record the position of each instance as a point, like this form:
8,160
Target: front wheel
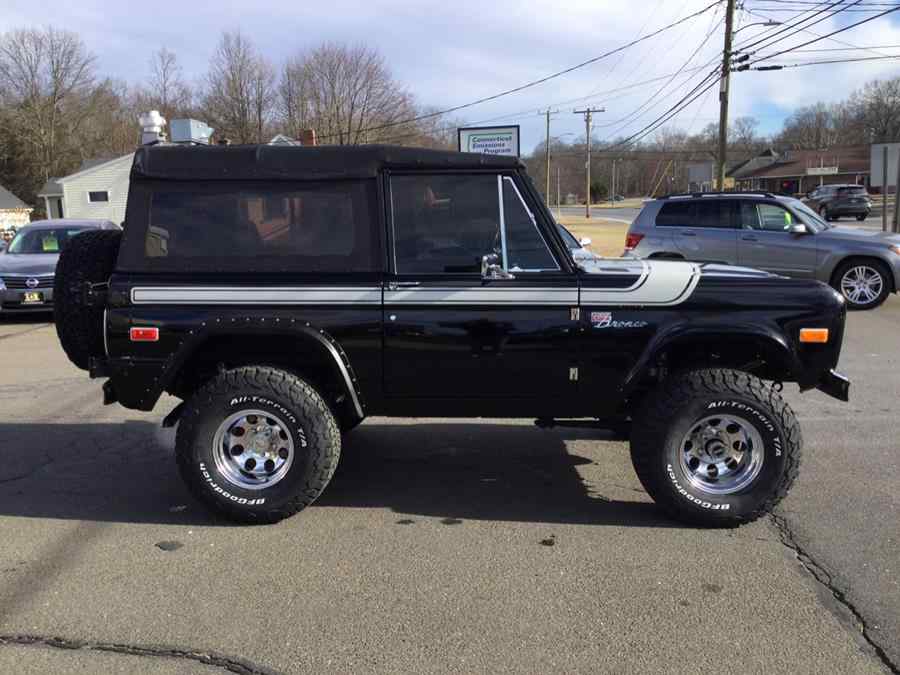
716,448
862,216
824,213
863,283
257,444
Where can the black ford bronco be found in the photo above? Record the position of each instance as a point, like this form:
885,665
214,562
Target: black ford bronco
286,293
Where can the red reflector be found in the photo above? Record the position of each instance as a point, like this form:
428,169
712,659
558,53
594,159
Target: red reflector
632,240
145,334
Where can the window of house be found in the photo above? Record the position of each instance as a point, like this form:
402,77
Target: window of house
248,228
446,224
99,196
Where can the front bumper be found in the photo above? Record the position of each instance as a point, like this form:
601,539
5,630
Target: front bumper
836,385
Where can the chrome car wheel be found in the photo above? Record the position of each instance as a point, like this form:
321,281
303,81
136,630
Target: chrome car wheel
253,449
722,454
862,284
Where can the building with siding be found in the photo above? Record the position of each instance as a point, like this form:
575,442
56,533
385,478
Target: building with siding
14,213
98,190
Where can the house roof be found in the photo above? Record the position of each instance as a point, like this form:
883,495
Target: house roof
248,162
849,160
51,188
9,201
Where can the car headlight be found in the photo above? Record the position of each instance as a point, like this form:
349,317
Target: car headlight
894,247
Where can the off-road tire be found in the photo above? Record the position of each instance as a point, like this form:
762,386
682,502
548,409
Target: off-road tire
670,412
315,433
89,256
876,265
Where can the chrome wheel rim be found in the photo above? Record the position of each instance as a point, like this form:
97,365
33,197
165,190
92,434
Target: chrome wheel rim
253,449
722,454
862,284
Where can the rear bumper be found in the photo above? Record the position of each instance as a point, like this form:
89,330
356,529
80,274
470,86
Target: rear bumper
836,385
849,210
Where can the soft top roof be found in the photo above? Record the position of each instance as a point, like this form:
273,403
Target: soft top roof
273,162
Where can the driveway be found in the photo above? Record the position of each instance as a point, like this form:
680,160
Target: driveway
441,545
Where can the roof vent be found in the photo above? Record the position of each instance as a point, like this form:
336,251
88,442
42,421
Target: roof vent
152,124
190,131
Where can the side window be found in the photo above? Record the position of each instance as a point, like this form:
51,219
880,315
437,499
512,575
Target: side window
444,224
310,227
676,214
748,215
773,218
715,213
525,247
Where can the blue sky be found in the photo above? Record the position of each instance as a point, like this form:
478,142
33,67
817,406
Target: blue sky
451,53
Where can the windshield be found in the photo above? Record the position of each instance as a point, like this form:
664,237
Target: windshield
43,240
810,217
568,237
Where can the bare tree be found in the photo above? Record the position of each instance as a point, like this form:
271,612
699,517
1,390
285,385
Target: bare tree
347,94
166,90
47,86
240,90
877,109
743,138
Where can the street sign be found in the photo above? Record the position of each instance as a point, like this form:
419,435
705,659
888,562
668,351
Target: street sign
877,163
821,170
489,140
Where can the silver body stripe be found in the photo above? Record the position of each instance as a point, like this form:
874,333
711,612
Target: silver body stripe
662,283
484,295
237,295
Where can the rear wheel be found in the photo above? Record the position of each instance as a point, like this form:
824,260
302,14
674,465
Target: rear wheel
716,447
862,216
257,444
865,284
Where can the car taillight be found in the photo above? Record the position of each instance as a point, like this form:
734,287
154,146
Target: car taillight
632,240
144,334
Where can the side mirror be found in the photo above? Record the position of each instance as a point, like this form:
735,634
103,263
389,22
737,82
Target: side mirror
584,241
798,228
491,268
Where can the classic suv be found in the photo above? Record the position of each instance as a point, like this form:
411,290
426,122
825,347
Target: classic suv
772,233
286,293
29,262
834,201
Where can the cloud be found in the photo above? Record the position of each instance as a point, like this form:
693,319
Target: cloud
451,53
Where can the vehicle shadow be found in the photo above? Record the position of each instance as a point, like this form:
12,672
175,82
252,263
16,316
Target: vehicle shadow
125,472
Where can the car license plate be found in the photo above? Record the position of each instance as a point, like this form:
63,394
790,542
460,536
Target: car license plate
33,298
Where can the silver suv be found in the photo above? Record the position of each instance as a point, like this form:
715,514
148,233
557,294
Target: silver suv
773,233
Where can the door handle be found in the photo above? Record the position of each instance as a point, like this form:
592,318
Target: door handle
688,233
395,285
749,237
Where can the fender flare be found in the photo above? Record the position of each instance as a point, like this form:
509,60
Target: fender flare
683,332
214,327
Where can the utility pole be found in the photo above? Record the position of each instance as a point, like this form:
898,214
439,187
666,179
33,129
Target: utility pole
723,96
588,113
884,187
896,223
558,212
548,112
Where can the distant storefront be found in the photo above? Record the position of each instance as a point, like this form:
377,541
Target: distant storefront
799,171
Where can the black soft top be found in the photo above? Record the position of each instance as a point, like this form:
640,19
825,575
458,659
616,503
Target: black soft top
273,162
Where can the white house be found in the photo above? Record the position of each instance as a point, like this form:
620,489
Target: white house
13,211
99,189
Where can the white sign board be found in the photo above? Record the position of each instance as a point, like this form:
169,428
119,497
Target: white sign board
821,170
876,178
489,140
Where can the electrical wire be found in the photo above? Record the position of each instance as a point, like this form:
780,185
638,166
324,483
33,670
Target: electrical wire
769,41
534,83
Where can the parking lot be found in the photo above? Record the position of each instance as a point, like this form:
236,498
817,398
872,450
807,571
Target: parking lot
441,545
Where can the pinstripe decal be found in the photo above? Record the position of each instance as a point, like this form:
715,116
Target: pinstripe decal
483,295
259,295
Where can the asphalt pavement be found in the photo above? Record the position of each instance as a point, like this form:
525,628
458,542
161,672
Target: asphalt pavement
440,546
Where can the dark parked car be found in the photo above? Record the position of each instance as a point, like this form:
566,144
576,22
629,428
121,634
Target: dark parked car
773,233
28,265
833,201
286,293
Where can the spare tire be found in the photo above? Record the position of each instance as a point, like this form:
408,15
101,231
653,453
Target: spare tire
88,257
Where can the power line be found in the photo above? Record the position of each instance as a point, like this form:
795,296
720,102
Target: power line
824,37
769,42
847,49
819,63
804,30
542,80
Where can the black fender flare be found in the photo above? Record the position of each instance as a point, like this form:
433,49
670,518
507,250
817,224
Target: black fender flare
766,336
225,327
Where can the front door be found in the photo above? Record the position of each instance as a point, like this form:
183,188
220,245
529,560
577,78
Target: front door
766,242
451,333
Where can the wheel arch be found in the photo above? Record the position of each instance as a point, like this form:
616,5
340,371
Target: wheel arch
862,258
759,350
308,352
